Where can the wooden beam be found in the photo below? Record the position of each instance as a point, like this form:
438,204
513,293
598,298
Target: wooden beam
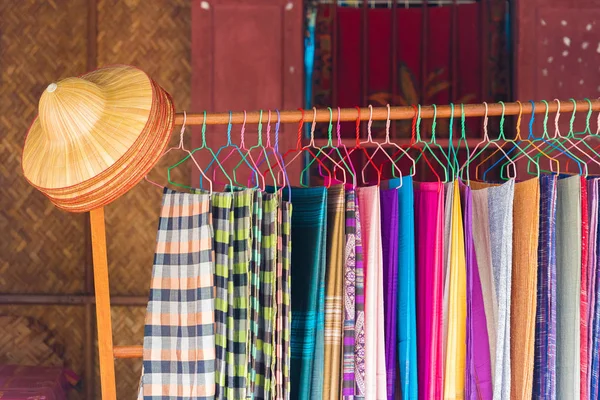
103,320
68,299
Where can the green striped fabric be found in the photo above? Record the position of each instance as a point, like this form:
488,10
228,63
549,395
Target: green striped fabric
222,222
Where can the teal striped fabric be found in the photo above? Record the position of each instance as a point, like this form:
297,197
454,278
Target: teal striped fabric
308,291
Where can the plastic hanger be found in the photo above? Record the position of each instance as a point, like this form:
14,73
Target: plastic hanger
259,145
573,141
189,155
270,150
358,146
400,150
557,144
451,156
486,142
248,155
336,150
515,142
300,149
531,147
329,144
426,145
235,148
377,148
463,138
587,130
414,145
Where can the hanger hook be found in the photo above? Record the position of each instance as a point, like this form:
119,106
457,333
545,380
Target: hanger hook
277,125
269,129
313,126
519,120
358,126
229,126
330,128
182,130
387,124
501,135
545,123
369,136
598,122
589,116
485,123
204,130
419,123
532,119
556,129
572,117
339,135
243,131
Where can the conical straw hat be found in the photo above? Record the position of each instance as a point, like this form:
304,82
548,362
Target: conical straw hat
96,136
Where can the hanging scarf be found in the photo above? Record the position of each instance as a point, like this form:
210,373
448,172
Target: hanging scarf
544,373
222,220
375,378
524,286
478,376
179,336
595,325
264,359
359,328
406,307
308,273
584,302
349,297
429,226
568,270
254,289
483,254
592,190
389,241
448,197
500,210
334,291
283,310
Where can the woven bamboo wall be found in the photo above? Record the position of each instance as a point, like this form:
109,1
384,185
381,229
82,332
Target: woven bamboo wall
43,250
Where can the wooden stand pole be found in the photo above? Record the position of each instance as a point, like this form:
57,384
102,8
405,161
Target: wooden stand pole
103,321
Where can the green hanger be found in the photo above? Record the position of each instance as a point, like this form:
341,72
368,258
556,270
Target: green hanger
514,142
202,146
451,149
463,138
433,142
554,145
258,145
580,137
486,141
330,145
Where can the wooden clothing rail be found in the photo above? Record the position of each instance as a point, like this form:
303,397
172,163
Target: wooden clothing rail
107,352
396,113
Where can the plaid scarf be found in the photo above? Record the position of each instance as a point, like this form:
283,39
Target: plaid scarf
284,309
179,340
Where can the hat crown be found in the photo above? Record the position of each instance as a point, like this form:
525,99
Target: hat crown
70,108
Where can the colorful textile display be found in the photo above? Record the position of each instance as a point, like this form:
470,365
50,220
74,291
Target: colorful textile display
407,290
